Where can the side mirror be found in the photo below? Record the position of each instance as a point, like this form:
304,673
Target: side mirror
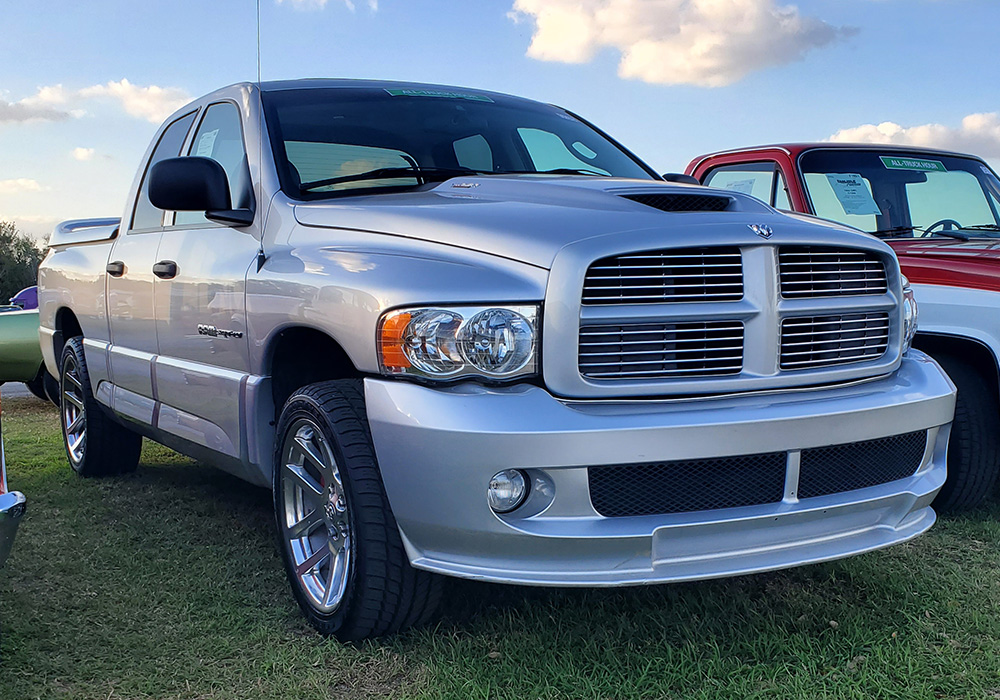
680,177
194,183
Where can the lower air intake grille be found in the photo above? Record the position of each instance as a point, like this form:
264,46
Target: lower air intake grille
858,465
825,341
686,486
657,350
682,202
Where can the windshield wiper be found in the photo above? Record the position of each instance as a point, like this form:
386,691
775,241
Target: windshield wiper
953,233
981,227
421,173
888,232
553,171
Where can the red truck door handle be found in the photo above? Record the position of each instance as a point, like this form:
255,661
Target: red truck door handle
165,269
116,268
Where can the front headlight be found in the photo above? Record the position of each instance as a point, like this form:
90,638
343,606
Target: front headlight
491,342
910,314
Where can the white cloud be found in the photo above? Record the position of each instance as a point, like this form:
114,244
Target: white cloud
82,153
152,103
39,107
55,103
18,185
709,43
978,134
320,4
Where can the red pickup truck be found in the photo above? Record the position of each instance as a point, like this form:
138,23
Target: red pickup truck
940,212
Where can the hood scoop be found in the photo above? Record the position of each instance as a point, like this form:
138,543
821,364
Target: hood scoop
682,202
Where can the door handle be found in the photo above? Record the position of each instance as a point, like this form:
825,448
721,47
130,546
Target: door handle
165,269
115,269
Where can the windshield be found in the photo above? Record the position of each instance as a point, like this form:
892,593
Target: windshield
903,194
341,141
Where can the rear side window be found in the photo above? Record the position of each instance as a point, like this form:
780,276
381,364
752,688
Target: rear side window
146,216
220,137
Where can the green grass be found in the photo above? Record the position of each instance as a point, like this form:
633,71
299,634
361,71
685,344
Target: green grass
167,584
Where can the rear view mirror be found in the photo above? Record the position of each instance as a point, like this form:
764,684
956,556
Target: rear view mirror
680,177
194,183
189,184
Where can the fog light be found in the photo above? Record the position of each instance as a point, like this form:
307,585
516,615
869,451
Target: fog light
507,490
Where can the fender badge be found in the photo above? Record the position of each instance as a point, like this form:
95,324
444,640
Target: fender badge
465,185
213,332
762,230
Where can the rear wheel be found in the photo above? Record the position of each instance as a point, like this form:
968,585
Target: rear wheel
95,444
341,547
974,447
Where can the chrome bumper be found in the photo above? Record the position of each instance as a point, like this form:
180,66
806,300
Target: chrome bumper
12,506
438,449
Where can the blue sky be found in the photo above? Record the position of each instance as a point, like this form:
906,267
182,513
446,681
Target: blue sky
84,85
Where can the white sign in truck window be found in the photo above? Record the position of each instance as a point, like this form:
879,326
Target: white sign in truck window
743,186
206,144
853,193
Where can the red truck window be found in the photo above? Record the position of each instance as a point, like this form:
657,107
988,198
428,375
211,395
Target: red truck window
762,180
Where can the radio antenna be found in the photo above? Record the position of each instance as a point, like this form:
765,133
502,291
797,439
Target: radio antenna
261,256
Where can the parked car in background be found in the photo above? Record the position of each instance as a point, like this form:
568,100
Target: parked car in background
27,298
21,354
940,212
463,333
12,505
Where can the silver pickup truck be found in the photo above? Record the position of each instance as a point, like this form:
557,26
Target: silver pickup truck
463,333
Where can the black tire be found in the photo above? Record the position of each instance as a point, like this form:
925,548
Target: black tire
104,447
974,448
383,593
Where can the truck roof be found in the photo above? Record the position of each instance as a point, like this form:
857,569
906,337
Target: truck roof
794,149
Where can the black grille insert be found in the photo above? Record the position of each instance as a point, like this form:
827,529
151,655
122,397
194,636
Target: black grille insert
686,486
858,465
682,202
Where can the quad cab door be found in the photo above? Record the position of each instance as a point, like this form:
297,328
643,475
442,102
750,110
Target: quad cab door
133,347
199,296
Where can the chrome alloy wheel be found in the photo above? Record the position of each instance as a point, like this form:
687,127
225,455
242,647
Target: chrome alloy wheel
74,415
316,522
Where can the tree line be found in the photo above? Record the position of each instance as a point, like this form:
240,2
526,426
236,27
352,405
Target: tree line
20,256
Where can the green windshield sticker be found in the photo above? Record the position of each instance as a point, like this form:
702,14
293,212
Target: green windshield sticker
927,166
439,93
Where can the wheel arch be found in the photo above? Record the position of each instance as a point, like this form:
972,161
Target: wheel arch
972,351
294,356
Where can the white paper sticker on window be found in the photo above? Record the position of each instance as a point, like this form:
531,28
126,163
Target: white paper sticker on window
853,194
206,144
743,186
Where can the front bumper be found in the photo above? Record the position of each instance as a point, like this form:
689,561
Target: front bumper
438,449
12,506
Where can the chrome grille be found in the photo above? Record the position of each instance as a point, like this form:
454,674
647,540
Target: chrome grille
813,271
661,350
665,276
824,341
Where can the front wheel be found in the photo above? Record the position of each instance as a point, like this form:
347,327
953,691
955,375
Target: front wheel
339,541
95,444
974,447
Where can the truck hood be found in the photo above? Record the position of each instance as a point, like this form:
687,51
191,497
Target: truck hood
972,264
527,218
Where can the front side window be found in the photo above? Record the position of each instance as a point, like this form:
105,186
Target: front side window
754,179
220,137
339,141
146,216
903,194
